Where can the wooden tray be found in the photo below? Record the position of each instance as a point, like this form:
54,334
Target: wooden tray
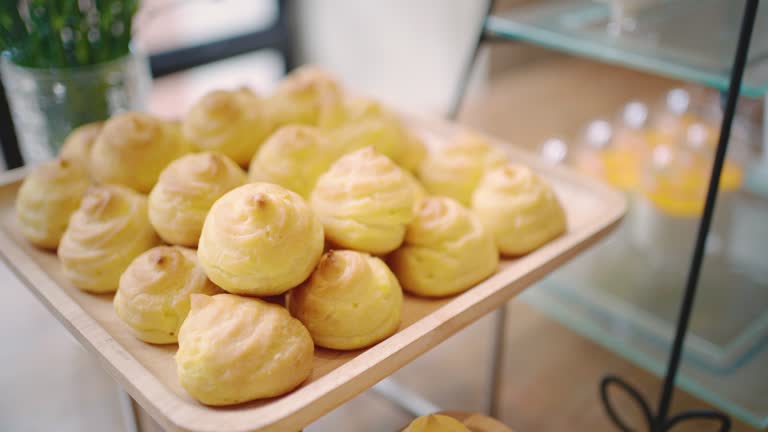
148,372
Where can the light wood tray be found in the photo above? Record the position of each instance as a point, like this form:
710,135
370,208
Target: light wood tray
148,372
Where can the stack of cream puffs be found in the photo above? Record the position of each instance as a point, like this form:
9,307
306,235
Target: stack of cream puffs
330,201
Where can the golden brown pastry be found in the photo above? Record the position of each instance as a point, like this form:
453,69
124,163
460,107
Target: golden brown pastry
77,146
446,250
234,123
436,423
260,239
235,349
47,197
104,235
519,208
153,297
309,95
186,190
368,123
351,301
419,191
415,152
133,148
455,170
293,157
365,201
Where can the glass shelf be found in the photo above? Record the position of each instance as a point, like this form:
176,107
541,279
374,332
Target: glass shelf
625,294
691,40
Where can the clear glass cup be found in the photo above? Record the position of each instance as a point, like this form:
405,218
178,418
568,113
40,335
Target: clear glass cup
46,104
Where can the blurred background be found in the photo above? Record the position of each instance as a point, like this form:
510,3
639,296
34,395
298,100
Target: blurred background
629,92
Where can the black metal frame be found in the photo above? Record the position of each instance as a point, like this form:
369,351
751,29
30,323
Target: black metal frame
278,37
661,421
9,143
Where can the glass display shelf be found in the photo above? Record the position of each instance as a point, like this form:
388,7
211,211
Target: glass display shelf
625,293
691,40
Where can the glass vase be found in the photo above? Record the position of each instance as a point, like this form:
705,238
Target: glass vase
46,104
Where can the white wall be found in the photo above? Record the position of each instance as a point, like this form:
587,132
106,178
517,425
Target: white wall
407,52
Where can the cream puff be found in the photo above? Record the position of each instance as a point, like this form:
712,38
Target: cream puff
309,95
293,157
77,146
436,423
46,199
236,349
368,123
260,239
365,201
455,170
519,208
446,250
186,190
104,235
351,301
153,296
133,148
233,123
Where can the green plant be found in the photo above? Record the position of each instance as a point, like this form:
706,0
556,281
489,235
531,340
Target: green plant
65,33
74,53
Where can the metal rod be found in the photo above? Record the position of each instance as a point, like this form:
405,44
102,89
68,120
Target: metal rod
8,139
737,73
130,420
466,73
405,399
764,146
497,360
286,13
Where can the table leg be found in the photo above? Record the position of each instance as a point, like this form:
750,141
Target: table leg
497,361
130,421
408,400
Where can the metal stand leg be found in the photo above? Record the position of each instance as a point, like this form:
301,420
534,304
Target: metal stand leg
497,360
130,420
661,420
466,74
8,140
285,18
500,316
409,401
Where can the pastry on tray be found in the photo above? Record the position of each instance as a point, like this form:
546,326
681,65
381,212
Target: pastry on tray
232,122
153,297
260,239
48,196
186,190
415,153
309,95
77,146
365,201
446,250
352,300
293,157
436,423
367,123
133,148
104,235
420,192
519,208
235,349
456,170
